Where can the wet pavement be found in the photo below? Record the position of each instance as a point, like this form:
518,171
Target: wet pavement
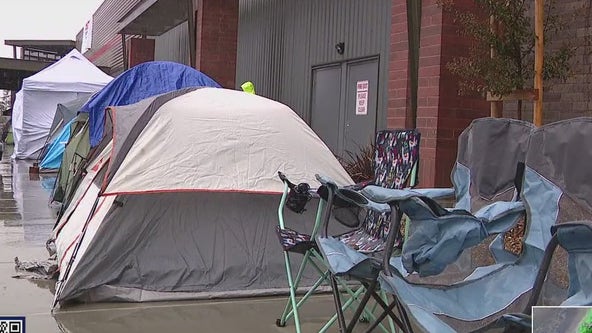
26,222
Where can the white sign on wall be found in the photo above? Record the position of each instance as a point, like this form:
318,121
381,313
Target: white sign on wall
86,36
362,98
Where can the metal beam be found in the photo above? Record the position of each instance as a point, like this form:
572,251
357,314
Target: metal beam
192,32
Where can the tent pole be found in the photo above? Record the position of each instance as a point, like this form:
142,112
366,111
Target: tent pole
539,13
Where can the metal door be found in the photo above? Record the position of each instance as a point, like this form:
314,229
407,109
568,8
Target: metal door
360,104
325,107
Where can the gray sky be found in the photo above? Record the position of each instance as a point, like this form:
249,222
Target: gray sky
42,19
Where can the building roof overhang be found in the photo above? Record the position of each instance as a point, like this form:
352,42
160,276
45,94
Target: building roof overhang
154,17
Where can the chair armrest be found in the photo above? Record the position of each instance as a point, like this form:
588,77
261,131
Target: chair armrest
355,198
352,197
516,322
386,195
435,193
502,213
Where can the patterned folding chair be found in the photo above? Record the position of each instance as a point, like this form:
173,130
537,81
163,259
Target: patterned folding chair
396,162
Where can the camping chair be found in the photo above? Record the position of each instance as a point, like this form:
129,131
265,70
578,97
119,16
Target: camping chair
396,162
480,136
395,165
295,197
554,190
573,237
360,267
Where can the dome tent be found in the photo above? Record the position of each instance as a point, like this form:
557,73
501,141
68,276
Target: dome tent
201,166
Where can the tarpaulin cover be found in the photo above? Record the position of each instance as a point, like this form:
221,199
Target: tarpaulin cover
140,82
55,151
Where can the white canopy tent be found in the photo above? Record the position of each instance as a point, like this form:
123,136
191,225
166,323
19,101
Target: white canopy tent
34,108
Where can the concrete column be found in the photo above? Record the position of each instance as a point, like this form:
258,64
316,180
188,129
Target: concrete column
216,39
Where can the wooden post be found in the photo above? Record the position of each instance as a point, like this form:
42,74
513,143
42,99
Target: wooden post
539,14
496,107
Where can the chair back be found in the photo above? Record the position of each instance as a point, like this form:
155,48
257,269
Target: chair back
396,160
488,153
557,189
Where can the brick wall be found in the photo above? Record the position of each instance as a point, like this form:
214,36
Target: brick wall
441,113
216,40
139,50
572,98
398,76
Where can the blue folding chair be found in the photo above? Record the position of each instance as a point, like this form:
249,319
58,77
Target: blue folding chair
556,188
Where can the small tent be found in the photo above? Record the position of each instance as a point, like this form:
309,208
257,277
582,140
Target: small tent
140,82
53,153
59,134
182,202
71,77
65,112
73,159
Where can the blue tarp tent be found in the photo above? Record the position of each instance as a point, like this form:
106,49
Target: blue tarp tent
53,157
140,82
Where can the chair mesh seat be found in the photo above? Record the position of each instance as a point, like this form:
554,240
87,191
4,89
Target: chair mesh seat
396,155
361,241
294,241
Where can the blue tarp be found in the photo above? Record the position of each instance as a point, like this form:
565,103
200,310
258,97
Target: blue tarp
53,157
140,82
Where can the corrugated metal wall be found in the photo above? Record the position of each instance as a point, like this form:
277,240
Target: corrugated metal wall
107,50
280,41
173,45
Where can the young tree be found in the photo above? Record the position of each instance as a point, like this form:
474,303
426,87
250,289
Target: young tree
512,43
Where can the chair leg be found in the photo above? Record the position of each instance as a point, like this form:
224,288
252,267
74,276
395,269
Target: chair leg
381,318
403,314
391,322
287,314
353,297
340,316
304,298
292,292
388,311
369,290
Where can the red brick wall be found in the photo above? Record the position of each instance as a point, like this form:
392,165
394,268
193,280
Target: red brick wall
139,50
455,112
398,76
216,39
441,113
